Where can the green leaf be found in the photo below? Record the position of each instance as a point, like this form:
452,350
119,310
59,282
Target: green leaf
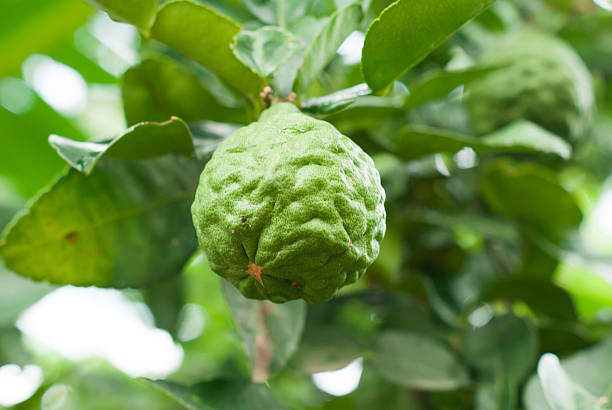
532,195
140,13
265,49
523,135
270,332
126,224
280,12
306,29
438,304
324,46
504,351
484,225
542,296
407,31
159,88
235,9
413,142
165,299
99,386
203,34
507,345
418,362
499,395
336,101
437,84
142,141
371,112
263,10
324,348
220,395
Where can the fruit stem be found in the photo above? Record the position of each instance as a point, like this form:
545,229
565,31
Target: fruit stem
268,97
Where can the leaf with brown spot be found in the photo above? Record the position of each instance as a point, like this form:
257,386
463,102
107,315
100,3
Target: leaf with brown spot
71,237
124,225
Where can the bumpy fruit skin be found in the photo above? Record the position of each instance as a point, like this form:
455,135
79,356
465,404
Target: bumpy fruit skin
542,80
289,208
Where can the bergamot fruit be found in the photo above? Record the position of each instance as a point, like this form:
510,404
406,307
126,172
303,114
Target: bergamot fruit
541,79
289,208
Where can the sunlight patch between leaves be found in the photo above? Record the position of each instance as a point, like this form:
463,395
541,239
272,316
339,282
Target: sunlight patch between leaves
17,385
340,382
80,323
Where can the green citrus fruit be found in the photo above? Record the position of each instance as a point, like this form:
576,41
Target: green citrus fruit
289,208
541,79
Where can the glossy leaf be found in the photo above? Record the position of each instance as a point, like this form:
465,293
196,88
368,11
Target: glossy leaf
528,136
204,35
413,142
126,224
418,362
270,332
142,141
265,49
407,31
436,85
306,29
324,46
140,13
220,395
371,112
532,195
336,101
159,88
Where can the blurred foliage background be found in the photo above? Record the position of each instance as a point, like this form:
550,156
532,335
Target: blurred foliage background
470,290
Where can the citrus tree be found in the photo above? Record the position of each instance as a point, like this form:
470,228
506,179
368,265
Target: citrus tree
409,187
